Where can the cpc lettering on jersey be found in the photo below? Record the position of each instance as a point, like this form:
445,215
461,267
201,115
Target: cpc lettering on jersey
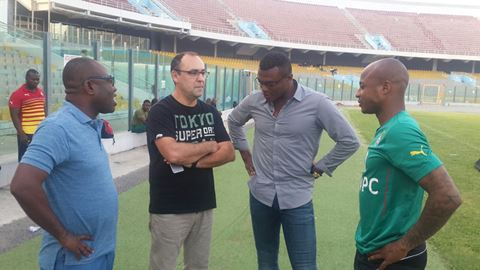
369,184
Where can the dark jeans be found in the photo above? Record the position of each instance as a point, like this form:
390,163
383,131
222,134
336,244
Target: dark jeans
22,146
298,227
416,259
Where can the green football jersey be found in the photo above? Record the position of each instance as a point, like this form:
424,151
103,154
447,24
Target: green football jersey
398,157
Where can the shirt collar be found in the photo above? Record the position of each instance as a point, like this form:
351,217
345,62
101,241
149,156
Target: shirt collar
299,92
78,114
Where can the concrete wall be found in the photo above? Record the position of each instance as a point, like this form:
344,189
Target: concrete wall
124,141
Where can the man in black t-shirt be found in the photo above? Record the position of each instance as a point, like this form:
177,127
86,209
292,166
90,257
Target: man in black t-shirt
186,139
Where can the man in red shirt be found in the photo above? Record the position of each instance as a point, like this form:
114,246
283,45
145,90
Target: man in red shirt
27,109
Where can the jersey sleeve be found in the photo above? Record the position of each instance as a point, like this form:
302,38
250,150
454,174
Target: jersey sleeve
411,153
48,149
15,100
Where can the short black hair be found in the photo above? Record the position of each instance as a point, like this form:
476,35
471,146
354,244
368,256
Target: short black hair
75,71
145,101
31,71
178,59
276,59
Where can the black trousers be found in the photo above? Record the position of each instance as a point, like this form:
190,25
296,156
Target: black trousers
416,259
22,146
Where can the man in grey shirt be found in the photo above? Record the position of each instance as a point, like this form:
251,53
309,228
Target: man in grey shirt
289,120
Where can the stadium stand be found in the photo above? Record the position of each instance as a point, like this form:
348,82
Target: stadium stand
424,74
252,65
206,15
305,24
325,25
401,29
332,26
455,34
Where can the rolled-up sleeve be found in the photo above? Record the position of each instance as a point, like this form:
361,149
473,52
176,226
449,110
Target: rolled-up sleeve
341,132
236,121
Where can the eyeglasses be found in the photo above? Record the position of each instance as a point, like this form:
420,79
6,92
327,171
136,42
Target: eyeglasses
194,72
108,78
270,84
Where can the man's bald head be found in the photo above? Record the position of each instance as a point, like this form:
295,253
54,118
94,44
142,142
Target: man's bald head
391,70
77,71
382,88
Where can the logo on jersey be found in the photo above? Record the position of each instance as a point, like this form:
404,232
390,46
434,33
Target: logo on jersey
418,152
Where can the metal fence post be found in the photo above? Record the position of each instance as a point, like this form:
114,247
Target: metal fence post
224,87
476,94
47,63
454,92
130,87
419,99
155,77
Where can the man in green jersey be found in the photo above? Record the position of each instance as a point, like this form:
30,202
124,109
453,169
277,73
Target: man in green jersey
399,167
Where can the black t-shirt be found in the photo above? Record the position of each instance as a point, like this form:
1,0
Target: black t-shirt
193,189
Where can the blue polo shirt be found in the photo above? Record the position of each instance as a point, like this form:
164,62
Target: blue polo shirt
79,187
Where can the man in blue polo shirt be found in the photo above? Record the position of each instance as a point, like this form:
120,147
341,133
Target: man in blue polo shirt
64,182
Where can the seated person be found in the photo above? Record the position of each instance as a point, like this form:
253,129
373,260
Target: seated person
140,118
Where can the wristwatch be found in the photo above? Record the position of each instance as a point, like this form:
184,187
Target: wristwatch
316,173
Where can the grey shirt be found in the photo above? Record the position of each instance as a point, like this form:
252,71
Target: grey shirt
285,146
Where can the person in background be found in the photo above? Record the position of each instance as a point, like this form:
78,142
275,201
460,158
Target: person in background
399,167
140,117
27,110
208,101
214,102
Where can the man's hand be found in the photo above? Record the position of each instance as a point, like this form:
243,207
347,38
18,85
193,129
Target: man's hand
247,160
316,173
443,199
75,244
390,253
